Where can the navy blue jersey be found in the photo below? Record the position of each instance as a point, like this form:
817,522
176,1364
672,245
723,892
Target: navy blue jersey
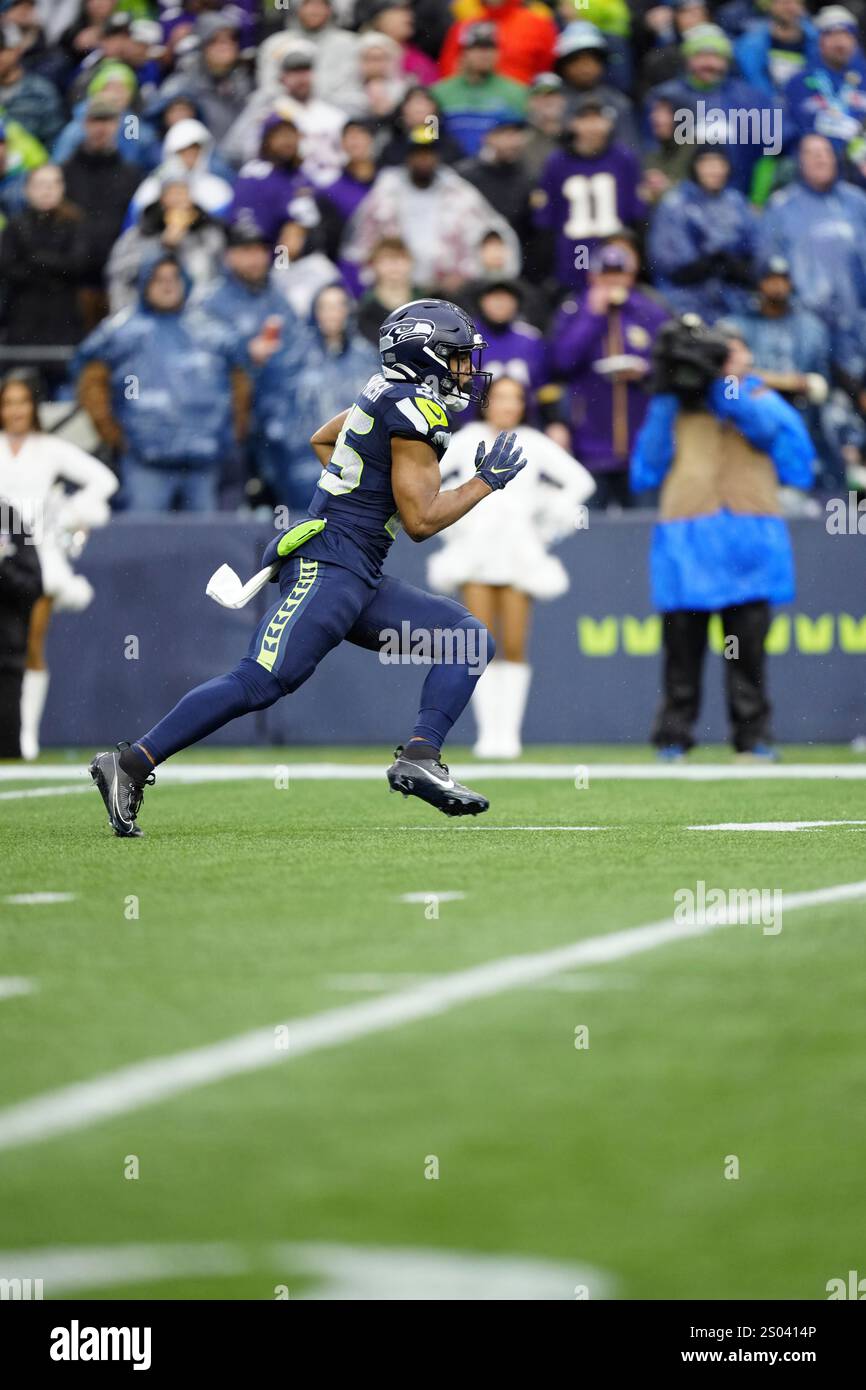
354,493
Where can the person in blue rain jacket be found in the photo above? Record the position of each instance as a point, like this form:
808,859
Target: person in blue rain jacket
302,385
168,388
720,544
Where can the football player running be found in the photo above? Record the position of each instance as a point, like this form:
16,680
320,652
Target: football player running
380,462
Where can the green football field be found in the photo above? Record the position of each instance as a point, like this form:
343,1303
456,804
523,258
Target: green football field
310,1039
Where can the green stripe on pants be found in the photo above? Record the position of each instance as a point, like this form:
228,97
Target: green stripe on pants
270,648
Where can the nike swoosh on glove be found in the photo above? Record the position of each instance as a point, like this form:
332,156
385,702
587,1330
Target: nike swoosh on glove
503,463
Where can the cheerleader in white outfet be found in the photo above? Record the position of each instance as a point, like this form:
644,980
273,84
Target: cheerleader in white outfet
498,556
36,470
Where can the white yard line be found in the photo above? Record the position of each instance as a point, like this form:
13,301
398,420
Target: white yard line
780,825
19,794
38,899
379,982
155,1079
11,986
346,1272
473,826
431,893
192,773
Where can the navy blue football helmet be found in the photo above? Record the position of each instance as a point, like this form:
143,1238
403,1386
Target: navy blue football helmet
418,342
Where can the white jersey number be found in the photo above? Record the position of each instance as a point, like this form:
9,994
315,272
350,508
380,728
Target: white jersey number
345,460
591,206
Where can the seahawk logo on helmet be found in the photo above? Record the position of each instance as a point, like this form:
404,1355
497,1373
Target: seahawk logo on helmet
409,328
436,344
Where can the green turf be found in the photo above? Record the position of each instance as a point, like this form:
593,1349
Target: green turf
251,899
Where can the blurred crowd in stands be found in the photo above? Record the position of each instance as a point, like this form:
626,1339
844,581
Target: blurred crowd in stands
207,210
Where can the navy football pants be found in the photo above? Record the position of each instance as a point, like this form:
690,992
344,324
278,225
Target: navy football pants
321,605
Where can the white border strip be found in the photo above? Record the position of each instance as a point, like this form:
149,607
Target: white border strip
156,1079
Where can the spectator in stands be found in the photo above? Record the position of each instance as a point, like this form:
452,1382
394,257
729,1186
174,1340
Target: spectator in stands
525,32
381,84
175,224
101,184
115,85
245,297
334,51
355,179
125,39
846,404
301,268
320,122
418,108
36,54
501,175
515,348
337,361
707,87
666,161
175,432
499,564
788,343
27,98
19,153
476,98
601,351
818,224
338,198
665,27
774,50
269,184
397,19
179,21
736,16
581,61
145,55
701,241
828,96
496,263
545,113
574,221
390,266
43,254
188,149
613,19
112,46
495,256
720,544
791,352
668,25
163,112
83,35
440,216
216,77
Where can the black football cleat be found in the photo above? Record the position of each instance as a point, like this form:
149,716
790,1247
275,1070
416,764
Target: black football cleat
430,780
121,793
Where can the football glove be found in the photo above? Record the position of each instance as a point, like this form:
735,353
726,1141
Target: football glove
503,463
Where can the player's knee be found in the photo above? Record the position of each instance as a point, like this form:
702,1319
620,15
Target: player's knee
480,644
261,688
